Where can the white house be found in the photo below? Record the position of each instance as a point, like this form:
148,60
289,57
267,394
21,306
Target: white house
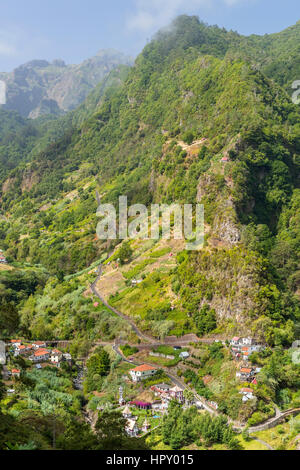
235,341
126,412
56,356
184,355
247,394
40,355
176,393
39,344
142,372
131,428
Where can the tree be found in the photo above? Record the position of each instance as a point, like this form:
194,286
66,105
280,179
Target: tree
125,252
188,395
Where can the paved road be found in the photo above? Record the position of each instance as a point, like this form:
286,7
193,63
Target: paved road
279,416
137,331
172,377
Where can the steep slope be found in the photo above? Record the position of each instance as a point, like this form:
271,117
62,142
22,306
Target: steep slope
22,139
161,138
39,87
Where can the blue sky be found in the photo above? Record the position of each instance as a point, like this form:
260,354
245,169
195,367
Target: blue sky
74,30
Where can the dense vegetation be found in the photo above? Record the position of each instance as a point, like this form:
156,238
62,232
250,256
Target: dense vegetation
203,116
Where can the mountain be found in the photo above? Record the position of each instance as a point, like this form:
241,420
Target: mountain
204,116
161,137
22,139
39,87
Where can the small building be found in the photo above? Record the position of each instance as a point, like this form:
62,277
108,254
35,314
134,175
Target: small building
158,389
184,355
235,341
247,394
142,372
16,343
246,374
131,428
22,350
247,341
126,412
176,393
67,357
40,355
56,356
16,373
39,344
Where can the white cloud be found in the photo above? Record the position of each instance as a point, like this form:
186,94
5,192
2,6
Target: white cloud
7,44
6,49
151,14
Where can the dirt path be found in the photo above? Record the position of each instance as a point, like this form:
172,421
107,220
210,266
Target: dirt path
264,443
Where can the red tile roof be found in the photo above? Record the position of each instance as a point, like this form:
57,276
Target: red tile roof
41,352
143,368
244,370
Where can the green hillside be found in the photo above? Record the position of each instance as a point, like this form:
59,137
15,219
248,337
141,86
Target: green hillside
142,142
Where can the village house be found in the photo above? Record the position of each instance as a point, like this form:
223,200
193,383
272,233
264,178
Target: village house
168,393
56,356
39,344
131,428
67,357
16,373
3,260
23,350
176,393
247,394
246,374
158,389
16,343
41,355
142,372
2,353
184,355
126,412
242,348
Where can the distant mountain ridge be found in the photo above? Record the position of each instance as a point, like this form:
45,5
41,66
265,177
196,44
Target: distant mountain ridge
40,87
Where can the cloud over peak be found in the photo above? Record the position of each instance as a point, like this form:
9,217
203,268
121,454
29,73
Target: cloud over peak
152,14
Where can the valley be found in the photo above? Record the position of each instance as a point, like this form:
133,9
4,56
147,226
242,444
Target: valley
139,344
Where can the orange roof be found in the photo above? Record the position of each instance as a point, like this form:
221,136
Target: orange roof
39,342
41,352
56,351
246,371
15,341
245,349
15,371
143,368
247,390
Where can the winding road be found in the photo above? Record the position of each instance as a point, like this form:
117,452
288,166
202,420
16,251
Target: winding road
271,422
137,331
